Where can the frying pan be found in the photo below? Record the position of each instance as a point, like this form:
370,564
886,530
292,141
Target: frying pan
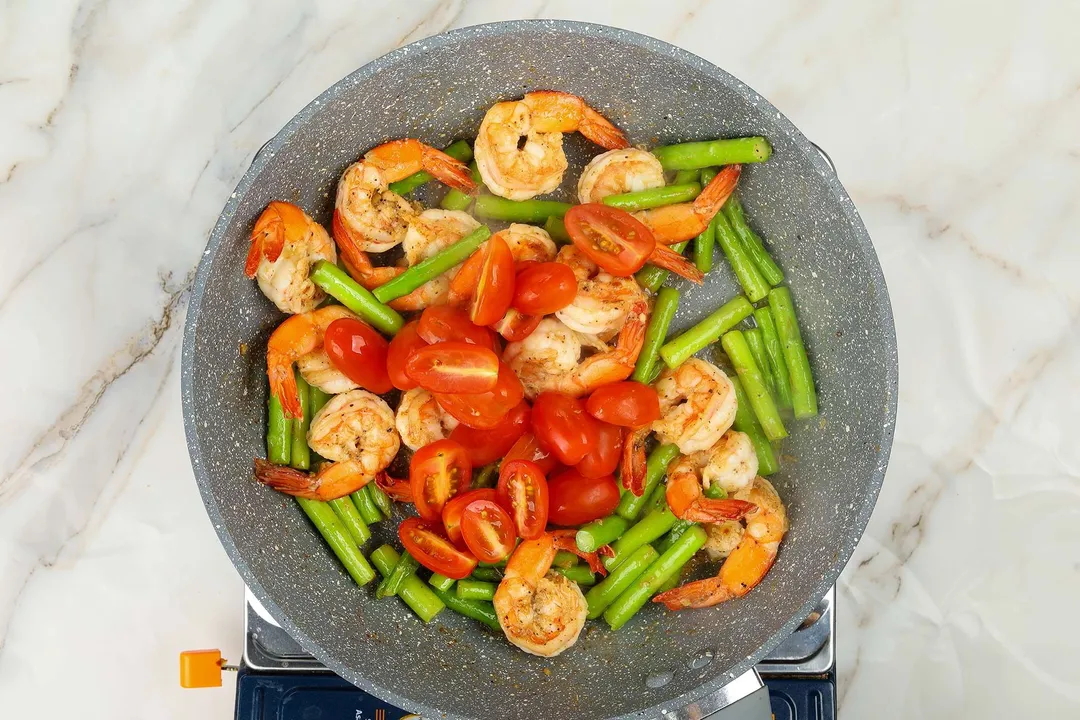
437,90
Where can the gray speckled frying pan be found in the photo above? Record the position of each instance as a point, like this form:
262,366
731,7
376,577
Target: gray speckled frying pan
437,90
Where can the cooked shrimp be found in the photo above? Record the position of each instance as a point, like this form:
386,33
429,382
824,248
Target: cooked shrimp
376,216
583,267
683,221
526,243
519,172
602,302
724,463
723,538
293,339
697,405
319,372
356,432
420,420
431,231
285,243
540,612
745,567
619,171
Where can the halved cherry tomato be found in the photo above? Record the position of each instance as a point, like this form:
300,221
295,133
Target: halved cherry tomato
561,424
603,456
544,288
523,488
425,542
487,446
485,410
359,352
627,403
495,286
612,238
488,530
454,367
443,322
575,499
402,346
438,472
451,514
527,448
515,327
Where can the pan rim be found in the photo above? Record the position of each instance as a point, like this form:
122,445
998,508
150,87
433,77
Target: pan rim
842,201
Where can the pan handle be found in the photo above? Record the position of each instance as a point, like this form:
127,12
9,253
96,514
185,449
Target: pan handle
744,698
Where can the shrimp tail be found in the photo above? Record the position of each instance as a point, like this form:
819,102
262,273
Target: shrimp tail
633,459
599,129
565,540
698,594
398,489
286,479
664,257
357,262
267,238
448,170
708,510
283,387
716,193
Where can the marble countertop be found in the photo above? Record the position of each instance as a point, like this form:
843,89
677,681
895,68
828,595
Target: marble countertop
125,125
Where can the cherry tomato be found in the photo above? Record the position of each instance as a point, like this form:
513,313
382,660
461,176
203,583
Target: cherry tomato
487,446
627,403
425,542
603,457
451,514
515,327
465,280
359,352
438,472
544,288
612,238
527,448
561,424
454,367
485,410
443,322
523,489
402,346
495,286
488,530
575,499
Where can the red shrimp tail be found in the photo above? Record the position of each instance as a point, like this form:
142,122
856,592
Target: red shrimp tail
286,479
448,170
664,257
634,460
566,540
283,387
716,193
399,489
267,239
697,594
357,262
601,131
707,510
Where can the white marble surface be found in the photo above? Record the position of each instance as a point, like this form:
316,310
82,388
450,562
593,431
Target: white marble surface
954,124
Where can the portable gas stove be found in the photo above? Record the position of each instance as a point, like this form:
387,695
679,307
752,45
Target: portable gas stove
278,680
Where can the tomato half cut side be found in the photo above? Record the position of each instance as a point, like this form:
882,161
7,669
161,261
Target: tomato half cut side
454,367
452,511
528,448
523,489
604,455
485,410
515,327
574,499
612,238
543,288
487,446
401,348
425,542
561,424
488,530
626,403
441,323
359,352
495,285
438,472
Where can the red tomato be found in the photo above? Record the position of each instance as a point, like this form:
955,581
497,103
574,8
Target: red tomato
527,448
487,446
495,286
523,489
451,514
359,352
544,288
488,530
443,322
603,457
454,367
627,403
485,410
425,542
402,346
575,499
515,327
438,472
612,238
561,425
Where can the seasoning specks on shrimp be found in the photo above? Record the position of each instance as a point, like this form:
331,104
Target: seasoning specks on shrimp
519,172
420,420
619,171
697,405
602,302
683,221
285,244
